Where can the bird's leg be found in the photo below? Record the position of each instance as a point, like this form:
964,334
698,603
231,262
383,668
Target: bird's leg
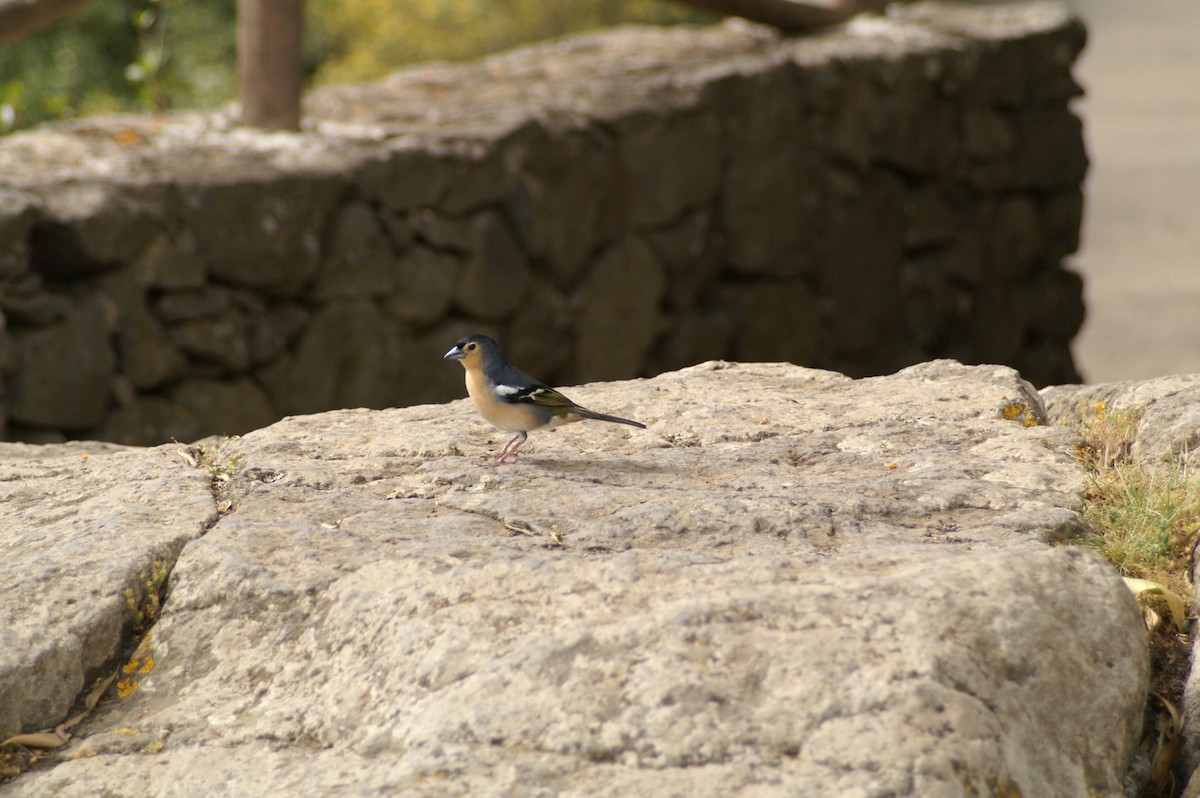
510,448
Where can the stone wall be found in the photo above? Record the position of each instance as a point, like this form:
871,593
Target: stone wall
609,206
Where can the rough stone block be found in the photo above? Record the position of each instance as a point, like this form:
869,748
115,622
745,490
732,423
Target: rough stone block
484,181
568,204
451,234
87,227
1168,429
171,263
766,173
1015,239
932,214
495,276
1055,304
343,359
1046,360
928,302
224,407
1002,77
1050,58
618,311
670,165
863,247
692,250
426,281
145,354
540,335
1061,218
404,178
921,135
261,234
856,119
358,258
991,177
219,340
776,322
146,357
188,305
694,337
28,302
964,255
1009,62
269,333
1051,154
7,356
999,319
987,133
16,225
150,420
64,371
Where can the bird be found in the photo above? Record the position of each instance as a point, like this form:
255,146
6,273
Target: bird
510,399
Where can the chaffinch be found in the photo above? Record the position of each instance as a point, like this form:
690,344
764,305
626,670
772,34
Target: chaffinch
510,399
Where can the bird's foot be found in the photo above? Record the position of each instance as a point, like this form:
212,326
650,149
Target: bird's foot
510,448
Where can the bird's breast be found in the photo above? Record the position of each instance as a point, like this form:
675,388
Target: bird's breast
508,416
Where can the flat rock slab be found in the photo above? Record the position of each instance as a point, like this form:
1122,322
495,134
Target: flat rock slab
791,583
79,524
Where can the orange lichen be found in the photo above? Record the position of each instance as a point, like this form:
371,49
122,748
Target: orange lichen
1019,411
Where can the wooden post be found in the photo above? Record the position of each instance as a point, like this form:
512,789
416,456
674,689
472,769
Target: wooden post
269,62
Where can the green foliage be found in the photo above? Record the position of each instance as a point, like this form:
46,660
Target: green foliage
120,55
1147,515
143,602
149,55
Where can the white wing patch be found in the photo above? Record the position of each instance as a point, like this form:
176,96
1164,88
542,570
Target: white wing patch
507,390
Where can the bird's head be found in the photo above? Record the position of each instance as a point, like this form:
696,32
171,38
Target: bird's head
472,350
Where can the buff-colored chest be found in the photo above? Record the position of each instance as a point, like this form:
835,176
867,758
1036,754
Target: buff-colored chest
504,415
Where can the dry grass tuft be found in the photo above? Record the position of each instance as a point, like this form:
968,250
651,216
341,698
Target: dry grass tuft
1146,516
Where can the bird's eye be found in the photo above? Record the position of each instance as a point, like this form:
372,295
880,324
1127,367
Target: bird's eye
470,346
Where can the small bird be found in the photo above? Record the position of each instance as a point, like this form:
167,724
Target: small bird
510,399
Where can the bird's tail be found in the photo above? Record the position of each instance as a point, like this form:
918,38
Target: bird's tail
613,419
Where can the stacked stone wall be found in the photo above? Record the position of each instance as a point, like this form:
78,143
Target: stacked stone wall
609,206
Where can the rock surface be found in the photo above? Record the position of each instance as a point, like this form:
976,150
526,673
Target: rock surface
791,583
80,522
1169,425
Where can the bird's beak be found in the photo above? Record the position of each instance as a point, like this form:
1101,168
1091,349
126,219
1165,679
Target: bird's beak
454,354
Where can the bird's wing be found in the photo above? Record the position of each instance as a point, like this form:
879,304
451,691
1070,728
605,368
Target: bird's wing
549,398
536,394
516,387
